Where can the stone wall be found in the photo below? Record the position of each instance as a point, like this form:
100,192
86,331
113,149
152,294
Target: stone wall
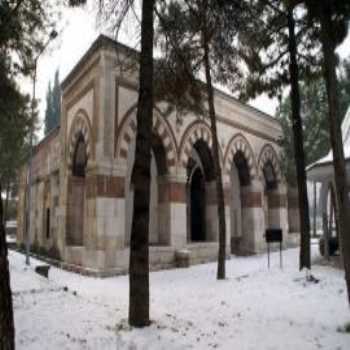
99,108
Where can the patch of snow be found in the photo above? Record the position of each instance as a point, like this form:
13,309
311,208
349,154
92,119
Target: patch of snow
255,308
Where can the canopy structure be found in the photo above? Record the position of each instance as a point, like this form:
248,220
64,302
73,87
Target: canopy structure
322,171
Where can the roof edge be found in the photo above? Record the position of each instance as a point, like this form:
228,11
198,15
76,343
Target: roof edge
103,41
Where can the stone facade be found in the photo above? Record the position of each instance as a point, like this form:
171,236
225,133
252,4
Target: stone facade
82,196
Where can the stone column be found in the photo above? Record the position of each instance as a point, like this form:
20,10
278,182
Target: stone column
173,199
105,229
211,212
253,223
227,198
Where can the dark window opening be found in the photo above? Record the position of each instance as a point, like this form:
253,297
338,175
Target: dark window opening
80,157
270,177
197,206
206,158
243,169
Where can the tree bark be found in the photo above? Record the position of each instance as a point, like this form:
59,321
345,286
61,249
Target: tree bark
221,273
5,213
330,223
139,251
7,329
315,211
329,71
335,209
304,258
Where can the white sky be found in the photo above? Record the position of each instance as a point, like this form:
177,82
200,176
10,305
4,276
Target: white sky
78,30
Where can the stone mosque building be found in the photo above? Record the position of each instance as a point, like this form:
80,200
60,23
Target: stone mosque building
82,198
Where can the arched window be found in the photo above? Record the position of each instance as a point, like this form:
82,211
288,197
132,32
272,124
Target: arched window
270,176
242,168
80,157
201,194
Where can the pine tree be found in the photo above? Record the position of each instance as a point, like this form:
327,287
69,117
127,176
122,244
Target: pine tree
48,111
23,25
344,87
313,103
332,18
279,55
53,105
141,173
56,100
199,34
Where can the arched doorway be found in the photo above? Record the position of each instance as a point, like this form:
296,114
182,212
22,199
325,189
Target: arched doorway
201,195
76,193
197,206
240,178
159,216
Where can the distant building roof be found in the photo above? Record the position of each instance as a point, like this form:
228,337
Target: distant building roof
323,168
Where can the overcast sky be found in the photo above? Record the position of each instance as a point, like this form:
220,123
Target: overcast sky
78,30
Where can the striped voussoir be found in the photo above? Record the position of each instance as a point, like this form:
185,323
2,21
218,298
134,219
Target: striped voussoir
79,127
268,154
197,131
160,128
240,144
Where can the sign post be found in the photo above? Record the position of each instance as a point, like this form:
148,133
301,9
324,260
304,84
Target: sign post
273,235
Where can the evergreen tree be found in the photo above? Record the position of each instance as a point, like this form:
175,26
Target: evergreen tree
56,99
141,173
332,18
53,105
23,25
15,125
313,110
344,87
283,51
200,35
49,110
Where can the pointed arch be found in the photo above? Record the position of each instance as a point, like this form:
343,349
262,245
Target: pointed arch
240,145
196,131
161,129
80,129
268,156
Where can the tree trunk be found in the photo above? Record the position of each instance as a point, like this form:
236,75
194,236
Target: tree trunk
299,148
330,223
334,201
6,206
342,205
7,330
221,274
315,211
139,252
325,235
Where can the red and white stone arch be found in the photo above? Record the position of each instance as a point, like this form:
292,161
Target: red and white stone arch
161,128
196,131
239,143
80,125
269,154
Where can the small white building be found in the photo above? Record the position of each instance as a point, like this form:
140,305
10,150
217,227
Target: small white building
322,171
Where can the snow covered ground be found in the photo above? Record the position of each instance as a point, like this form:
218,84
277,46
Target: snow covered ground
253,309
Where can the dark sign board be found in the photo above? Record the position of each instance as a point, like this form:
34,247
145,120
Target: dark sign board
273,235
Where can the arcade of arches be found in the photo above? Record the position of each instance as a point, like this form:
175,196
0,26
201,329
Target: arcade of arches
83,192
